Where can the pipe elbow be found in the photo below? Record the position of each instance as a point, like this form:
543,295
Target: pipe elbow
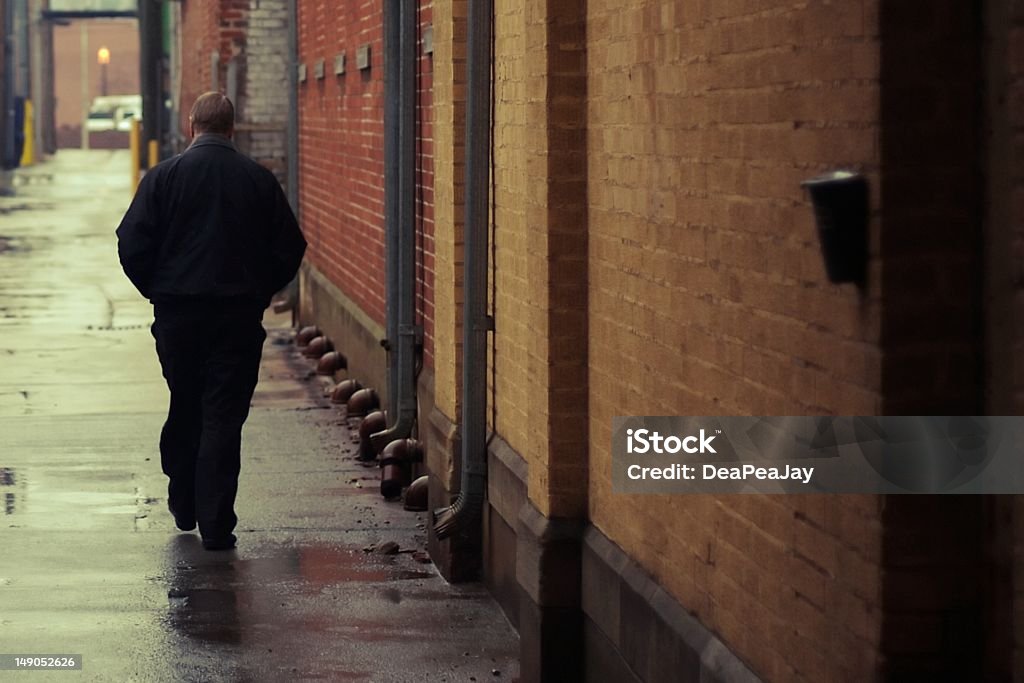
460,514
400,430
447,520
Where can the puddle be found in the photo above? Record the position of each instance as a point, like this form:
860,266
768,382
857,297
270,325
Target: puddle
202,599
307,569
11,244
311,568
205,613
221,598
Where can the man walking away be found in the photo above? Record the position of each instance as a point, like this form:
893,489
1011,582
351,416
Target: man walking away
208,238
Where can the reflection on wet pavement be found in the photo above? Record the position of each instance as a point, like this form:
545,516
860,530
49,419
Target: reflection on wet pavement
312,611
200,606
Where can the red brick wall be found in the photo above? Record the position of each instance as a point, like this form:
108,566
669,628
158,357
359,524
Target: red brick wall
341,156
341,149
207,26
708,296
252,36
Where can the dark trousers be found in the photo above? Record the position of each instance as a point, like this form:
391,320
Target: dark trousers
210,355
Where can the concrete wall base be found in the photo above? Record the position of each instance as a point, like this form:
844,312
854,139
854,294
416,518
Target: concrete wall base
458,558
650,633
354,333
584,609
548,572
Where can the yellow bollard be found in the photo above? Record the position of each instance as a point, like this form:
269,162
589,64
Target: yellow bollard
28,152
154,154
133,144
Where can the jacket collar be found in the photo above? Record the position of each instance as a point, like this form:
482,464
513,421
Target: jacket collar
206,139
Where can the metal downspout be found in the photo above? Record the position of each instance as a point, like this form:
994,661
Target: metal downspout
466,509
293,106
400,215
392,125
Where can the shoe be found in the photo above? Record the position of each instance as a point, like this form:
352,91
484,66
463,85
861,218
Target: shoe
225,543
181,521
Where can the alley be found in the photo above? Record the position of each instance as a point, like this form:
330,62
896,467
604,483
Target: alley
91,563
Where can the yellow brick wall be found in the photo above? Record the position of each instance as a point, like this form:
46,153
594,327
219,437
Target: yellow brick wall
708,296
449,113
539,352
515,306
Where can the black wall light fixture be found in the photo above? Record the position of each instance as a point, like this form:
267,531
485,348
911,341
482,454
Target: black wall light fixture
840,202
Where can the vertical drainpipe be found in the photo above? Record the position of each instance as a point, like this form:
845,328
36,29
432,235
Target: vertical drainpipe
465,511
392,126
293,106
291,137
400,208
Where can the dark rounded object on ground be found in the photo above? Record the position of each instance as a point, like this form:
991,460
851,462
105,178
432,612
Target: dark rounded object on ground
344,390
402,450
416,495
396,465
363,402
318,347
392,478
331,362
306,335
371,424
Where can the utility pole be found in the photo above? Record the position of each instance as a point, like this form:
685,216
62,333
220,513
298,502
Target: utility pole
21,49
7,147
84,61
151,76
47,91
37,89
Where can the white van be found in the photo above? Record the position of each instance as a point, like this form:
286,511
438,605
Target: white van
113,112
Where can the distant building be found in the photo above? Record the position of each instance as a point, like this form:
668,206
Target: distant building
121,38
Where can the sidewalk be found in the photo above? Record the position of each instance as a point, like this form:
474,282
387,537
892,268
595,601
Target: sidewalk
90,562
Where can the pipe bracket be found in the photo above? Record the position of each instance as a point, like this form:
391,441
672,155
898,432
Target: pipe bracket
414,331
479,468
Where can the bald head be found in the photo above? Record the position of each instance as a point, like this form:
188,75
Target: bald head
212,113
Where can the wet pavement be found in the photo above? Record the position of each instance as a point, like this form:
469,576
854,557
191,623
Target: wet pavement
90,561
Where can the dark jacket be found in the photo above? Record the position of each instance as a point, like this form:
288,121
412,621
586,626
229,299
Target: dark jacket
210,225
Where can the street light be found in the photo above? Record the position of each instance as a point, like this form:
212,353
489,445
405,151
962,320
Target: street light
103,59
